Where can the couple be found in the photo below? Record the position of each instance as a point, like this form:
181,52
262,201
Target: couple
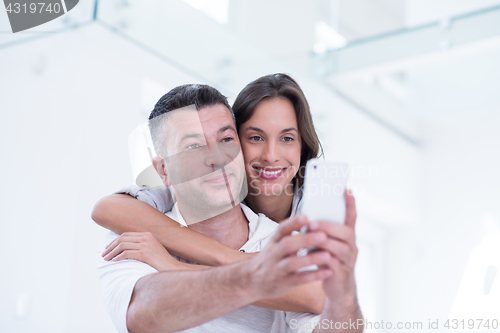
202,162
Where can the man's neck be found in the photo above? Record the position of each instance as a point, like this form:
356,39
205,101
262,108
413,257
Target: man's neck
229,228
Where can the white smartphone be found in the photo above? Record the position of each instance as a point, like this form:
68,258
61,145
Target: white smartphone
323,194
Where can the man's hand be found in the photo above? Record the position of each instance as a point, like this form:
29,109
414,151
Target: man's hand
340,288
273,272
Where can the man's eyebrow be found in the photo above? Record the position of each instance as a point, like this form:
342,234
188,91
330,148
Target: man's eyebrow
227,127
189,136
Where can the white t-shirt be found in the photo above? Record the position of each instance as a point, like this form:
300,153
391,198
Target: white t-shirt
119,278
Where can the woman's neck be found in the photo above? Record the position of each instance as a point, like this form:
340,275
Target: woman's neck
276,207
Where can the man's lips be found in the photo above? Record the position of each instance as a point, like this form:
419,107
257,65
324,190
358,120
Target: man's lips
269,173
219,179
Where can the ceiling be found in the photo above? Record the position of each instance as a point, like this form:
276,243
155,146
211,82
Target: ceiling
405,60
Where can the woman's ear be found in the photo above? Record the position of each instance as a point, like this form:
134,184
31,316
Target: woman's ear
159,165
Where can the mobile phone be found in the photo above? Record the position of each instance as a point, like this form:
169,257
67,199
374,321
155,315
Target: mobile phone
323,193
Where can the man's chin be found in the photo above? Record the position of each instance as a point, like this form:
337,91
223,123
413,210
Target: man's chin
220,194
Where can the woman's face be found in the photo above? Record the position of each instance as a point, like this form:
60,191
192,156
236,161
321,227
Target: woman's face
271,146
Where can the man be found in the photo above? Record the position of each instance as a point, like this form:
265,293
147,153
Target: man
202,161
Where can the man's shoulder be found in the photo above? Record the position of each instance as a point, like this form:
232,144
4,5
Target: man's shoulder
107,237
262,220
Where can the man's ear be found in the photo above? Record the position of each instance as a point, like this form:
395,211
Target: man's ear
159,165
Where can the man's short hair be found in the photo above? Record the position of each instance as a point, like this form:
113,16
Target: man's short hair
199,95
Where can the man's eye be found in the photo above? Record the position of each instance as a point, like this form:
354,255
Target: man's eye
228,139
255,138
193,146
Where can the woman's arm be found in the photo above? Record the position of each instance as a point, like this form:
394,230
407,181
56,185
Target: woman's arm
122,213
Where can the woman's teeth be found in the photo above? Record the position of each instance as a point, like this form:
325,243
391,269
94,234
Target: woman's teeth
269,173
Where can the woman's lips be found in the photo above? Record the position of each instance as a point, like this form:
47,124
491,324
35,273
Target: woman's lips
269,173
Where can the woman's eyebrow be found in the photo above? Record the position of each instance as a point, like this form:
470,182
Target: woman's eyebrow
251,128
256,129
289,130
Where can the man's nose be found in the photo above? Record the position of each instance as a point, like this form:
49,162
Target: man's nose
219,155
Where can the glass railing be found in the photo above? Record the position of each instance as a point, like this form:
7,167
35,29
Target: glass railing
224,50
431,37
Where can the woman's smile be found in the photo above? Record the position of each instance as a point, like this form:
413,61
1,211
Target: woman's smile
268,173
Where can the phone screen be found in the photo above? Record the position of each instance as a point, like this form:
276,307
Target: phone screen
324,187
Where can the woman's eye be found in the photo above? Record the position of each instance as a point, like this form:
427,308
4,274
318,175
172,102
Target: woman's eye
287,139
228,139
255,138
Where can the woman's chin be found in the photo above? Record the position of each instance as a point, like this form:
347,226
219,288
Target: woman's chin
271,189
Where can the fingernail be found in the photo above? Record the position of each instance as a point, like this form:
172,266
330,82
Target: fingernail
349,192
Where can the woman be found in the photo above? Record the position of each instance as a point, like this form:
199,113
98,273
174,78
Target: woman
277,138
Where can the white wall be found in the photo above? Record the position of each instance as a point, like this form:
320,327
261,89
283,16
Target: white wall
69,102
460,189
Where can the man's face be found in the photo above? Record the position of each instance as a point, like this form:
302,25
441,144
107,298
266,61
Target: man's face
204,163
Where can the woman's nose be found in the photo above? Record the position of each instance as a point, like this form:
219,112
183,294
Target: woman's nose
270,153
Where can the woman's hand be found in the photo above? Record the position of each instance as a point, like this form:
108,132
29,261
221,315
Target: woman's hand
142,246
